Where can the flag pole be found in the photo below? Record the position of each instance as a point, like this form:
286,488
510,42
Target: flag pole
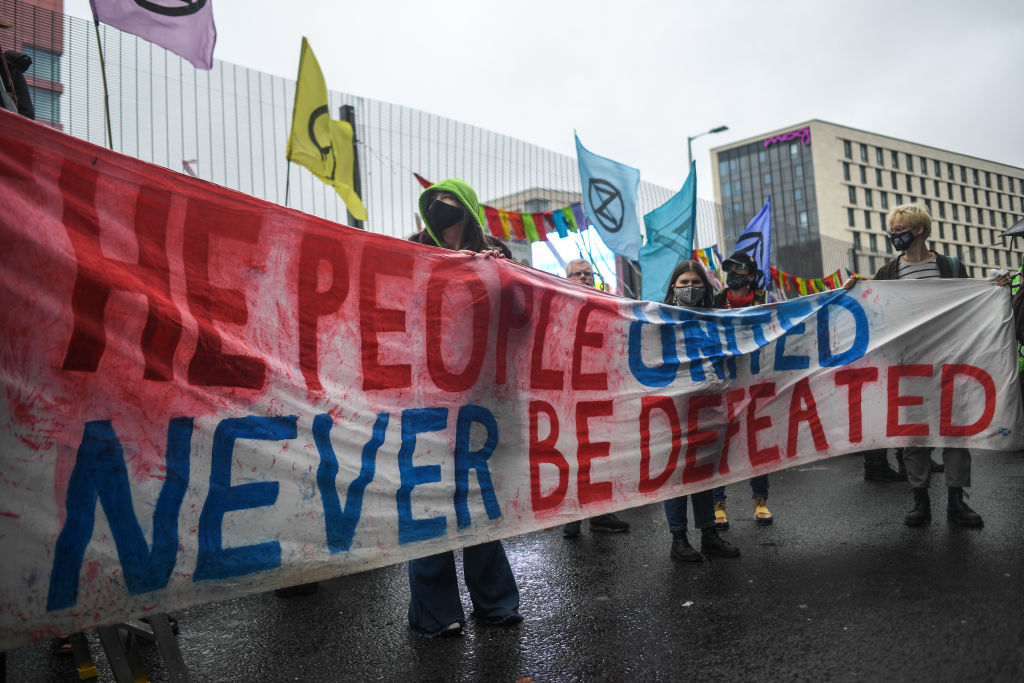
287,181
103,73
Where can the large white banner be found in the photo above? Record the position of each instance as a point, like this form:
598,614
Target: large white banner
203,395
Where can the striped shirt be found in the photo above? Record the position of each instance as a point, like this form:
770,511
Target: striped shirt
919,270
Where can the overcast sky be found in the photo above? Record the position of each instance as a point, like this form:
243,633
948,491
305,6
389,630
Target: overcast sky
636,78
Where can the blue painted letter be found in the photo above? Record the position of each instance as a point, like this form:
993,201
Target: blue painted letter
417,421
466,460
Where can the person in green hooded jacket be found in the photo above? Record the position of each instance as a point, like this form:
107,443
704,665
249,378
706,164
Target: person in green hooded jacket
451,219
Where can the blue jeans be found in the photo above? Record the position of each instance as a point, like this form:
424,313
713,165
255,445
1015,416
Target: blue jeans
434,589
703,511
758,486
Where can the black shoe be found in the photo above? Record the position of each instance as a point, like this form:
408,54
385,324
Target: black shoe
572,530
713,544
959,512
682,551
609,523
921,513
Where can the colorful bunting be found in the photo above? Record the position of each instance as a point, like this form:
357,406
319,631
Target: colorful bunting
784,282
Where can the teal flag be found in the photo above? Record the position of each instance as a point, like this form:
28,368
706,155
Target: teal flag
670,230
609,199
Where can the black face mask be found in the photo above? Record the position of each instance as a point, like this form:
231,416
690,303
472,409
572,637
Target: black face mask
736,280
441,216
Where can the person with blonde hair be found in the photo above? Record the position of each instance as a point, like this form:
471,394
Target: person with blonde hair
910,225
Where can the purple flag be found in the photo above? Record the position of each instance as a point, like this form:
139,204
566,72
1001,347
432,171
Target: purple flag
185,27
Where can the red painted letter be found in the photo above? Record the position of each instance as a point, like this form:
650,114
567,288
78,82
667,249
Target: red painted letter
759,456
594,340
649,404
98,275
313,303
374,319
544,453
210,366
802,408
695,438
514,315
734,401
892,424
856,378
949,373
541,377
443,274
589,491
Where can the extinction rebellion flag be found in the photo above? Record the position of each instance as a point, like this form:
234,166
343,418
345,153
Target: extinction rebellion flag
185,27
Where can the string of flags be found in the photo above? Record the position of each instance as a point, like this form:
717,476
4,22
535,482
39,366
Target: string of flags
784,282
528,227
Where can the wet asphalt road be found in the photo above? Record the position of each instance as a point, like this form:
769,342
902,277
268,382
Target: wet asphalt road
837,589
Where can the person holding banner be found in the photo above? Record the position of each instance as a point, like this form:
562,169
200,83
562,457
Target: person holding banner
741,290
689,286
450,212
910,225
581,271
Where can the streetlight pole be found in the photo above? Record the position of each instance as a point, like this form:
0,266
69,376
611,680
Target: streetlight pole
690,139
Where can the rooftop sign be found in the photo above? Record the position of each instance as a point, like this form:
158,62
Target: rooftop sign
804,135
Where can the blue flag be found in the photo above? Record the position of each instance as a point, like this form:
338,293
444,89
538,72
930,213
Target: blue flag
670,230
609,197
756,240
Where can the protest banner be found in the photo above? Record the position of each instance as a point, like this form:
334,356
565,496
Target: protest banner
205,395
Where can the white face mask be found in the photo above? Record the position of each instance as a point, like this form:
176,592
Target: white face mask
688,295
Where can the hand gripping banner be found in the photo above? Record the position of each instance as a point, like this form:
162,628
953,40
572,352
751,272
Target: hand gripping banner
205,395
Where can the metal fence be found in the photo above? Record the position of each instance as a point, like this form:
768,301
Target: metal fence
229,125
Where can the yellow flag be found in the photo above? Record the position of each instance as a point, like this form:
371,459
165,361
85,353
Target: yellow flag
320,144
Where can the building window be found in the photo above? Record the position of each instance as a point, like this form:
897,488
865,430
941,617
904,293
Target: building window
992,218
878,177
942,209
762,156
976,196
794,149
967,214
924,187
846,171
803,219
936,184
798,195
942,232
867,220
767,178
884,197
974,172
853,194
863,175
949,190
910,162
850,218
879,156
984,257
881,220
963,193
988,198
956,212
924,166
863,153
798,171
873,241
910,183
949,171
954,233
899,199
856,240
999,201
988,179
868,198
847,149
895,160
937,167
537,205
45,63
46,103
999,182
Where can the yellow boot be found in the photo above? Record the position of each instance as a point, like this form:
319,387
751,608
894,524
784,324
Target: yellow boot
762,515
721,520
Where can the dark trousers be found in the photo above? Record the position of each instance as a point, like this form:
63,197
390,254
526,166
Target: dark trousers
434,589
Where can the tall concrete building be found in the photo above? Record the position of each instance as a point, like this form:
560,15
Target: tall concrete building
832,186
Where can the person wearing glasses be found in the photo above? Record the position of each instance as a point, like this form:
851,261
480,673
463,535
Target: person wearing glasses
581,271
743,287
